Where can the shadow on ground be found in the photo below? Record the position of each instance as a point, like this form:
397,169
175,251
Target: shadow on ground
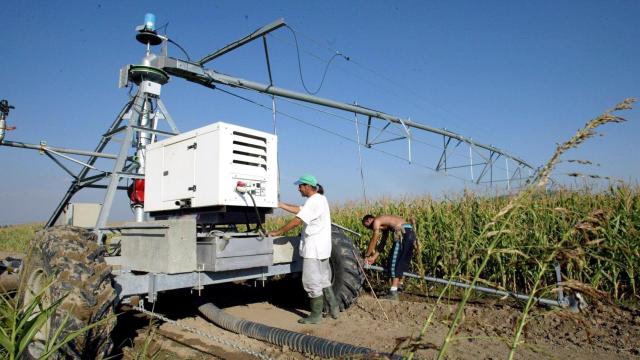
285,293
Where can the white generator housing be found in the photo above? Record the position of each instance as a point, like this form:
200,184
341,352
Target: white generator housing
203,167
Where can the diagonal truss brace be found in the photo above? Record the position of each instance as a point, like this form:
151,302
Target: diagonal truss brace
405,129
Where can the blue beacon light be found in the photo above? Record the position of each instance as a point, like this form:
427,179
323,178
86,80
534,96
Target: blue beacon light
150,21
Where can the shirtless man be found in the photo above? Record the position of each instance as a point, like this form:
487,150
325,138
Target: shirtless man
400,256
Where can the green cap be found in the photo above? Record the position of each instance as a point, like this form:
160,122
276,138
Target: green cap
307,179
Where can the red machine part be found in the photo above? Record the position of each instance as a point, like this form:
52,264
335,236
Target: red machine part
241,187
136,192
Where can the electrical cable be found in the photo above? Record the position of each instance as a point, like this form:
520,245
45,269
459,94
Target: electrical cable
181,48
326,68
388,80
258,220
165,27
246,218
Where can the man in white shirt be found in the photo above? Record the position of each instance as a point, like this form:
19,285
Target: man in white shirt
315,247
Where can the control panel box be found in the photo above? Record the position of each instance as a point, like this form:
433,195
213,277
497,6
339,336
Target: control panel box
217,165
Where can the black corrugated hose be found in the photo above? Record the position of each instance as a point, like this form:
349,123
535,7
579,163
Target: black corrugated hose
300,342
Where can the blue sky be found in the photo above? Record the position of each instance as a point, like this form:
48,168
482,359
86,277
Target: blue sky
520,75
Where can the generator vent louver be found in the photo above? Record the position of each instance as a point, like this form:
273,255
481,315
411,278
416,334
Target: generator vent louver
250,150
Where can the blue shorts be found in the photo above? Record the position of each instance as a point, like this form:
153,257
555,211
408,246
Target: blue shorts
401,253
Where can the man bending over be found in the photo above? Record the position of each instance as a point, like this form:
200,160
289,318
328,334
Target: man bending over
401,252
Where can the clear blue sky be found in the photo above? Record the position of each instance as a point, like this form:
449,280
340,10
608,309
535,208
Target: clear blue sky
520,75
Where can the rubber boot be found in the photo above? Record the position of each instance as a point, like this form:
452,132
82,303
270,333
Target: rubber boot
334,309
392,295
317,303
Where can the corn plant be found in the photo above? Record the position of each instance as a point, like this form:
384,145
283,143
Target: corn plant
20,325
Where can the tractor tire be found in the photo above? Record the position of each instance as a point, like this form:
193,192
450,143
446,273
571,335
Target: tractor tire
346,275
70,260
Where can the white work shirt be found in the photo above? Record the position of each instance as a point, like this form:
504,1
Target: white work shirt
316,232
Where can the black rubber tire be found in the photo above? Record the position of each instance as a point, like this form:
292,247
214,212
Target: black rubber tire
347,277
71,257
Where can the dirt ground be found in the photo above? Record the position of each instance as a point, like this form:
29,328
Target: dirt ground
600,332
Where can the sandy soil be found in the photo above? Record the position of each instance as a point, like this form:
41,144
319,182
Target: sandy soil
601,332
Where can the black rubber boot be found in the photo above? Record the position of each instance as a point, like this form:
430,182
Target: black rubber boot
392,295
334,309
317,303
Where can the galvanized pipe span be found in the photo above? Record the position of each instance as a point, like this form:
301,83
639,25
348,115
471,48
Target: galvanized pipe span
207,77
562,302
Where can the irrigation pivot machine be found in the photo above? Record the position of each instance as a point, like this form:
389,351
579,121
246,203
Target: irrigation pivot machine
199,198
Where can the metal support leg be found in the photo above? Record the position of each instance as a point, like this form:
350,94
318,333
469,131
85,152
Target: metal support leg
366,140
152,296
364,191
407,133
506,164
120,162
74,187
556,266
167,116
471,162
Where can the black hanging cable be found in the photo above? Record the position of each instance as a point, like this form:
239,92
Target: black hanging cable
258,221
326,68
394,83
181,48
165,27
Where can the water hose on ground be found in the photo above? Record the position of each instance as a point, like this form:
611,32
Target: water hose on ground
300,342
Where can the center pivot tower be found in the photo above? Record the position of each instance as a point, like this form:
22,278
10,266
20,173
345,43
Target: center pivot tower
136,126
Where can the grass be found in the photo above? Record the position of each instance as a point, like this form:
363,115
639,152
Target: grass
16,238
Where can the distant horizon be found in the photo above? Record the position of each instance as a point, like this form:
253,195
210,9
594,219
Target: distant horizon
398,198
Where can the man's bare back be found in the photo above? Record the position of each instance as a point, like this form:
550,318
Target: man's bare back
388,222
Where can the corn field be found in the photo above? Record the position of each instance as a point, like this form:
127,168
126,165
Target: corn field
602,231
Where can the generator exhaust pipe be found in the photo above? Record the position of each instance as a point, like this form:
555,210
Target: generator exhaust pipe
300,342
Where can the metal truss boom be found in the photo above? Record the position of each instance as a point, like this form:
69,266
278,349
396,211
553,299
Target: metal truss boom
196,73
